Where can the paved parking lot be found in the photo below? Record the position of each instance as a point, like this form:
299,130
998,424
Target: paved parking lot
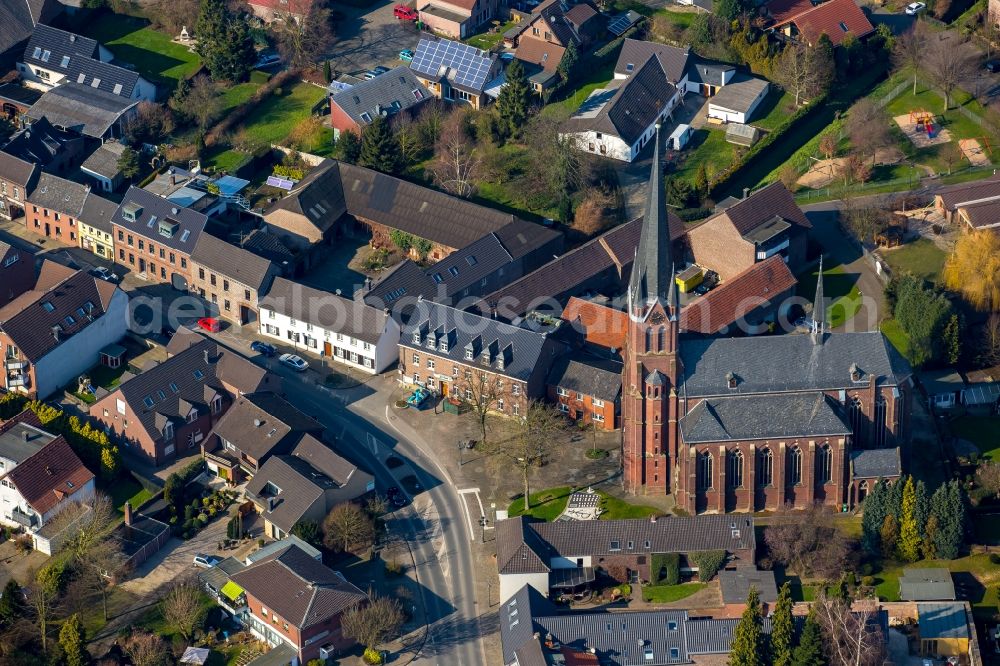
370,36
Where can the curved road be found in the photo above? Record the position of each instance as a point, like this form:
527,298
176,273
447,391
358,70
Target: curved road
433,524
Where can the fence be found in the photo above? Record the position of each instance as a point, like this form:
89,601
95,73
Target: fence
893,94
889,186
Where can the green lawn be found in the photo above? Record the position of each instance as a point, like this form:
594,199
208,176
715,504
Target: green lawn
487,40
150,51
127,489
616,509
708,146
549,504
598,78
840,288
897,336
237,95
682,20
275,118
887,580
777,106
921,258
983,431
664,594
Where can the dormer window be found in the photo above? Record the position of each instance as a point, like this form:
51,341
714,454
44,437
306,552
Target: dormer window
443,345
416,337
731,380
168,431
192,415
615,546
469,354
855,373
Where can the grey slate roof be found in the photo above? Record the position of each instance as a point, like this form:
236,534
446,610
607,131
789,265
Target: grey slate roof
739,94
944,620
19,18
59,194
277,419
189,223
41,143
739,418
762,206
77,58
701,70
298,588
875,463
16,170
628,110
104,160
389,93
267,245
780,363
654,270
19,441
98,211
87,110
714,636
937,382
736,585
636,52
520,349
231,261
525,545
326,310
590,375
926,585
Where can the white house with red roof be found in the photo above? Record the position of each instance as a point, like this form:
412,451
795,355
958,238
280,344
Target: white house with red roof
804,21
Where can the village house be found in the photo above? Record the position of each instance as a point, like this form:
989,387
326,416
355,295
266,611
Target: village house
15,100
54,150
457,19
102,166
455,72
804,21
54,56
972,205
95,230
469,358
296,604
53,333
39,476
331,326
168,409
619,120
738,100
89,111
566,554
17,178
17,272
155,237
394,92
55,209
19,20
257,426
231,278
304,485
587,389
542,39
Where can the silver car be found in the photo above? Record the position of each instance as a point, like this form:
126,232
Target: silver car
296,363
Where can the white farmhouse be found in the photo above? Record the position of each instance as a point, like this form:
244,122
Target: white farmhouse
329,325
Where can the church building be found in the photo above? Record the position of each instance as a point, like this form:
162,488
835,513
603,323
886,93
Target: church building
749,423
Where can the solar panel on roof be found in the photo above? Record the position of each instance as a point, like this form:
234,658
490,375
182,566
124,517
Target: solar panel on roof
471,67
280,183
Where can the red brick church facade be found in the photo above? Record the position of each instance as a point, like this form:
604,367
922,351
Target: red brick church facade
753,423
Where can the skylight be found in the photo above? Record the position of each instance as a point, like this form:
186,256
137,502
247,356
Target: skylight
69,320
37,53
843,26
198,374
173,387
148,401
185,235
65,62
80,77
46,55
48,306
95,83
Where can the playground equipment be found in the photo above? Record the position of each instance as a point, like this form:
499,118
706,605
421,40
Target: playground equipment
924,122
418,397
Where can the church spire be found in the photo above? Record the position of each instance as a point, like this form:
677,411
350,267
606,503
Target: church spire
653,273
819,308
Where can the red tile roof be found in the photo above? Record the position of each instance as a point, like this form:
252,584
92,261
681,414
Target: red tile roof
836,18
783,11
539,52
600,324
725,304
50,476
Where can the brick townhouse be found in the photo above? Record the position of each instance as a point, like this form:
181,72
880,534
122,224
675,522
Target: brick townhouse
17,178
17,272
587,388
230,277
55,207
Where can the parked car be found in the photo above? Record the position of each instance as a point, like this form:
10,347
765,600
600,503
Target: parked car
206,561
268,59
296,363
993,66
406,55
104,274
404,13
263,348
209,324
915,8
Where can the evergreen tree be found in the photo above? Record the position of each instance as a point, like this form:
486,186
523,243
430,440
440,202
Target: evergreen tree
890,536
11,604
874,512
948,511
701,181
379,149
809,651
921,508
128,163
224,41
747,648
180,95
782,628
952,339
909,530
570,59
514,99
327,71
71,641
348,147
895,503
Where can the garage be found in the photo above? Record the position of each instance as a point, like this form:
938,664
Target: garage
737,101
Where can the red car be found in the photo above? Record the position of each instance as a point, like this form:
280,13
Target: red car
405,13
209,324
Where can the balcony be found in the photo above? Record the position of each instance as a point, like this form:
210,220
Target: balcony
23,518
15,364
18,380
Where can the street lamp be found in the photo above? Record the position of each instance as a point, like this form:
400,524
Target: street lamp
482,525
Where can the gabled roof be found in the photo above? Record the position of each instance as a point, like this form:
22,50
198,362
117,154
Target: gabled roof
580,13
628,110
386,94
259,422
81,108
739,94
19,17
160,220
319,196
762,206
754,287
41,143
875,463
78,59
298,588
587,374
104,160
98,211
635,53
231,261
942,620
835,19
51,475
539,52
60,195
463,66
739,418
926,585
17,170
62,303
955,195
599,323
783,11
326,310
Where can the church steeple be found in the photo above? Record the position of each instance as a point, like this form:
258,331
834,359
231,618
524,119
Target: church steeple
654,271
819,308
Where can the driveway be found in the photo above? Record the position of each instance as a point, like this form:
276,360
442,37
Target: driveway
370,36
172,564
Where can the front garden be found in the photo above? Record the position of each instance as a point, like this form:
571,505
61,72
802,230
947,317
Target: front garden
549,504
840,288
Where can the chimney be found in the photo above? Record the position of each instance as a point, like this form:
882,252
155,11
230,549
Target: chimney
257,423
25,435
55,332
173,178
652,519
746,192
128,513
208,356
72,37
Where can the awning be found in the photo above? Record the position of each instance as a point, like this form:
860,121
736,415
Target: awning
571,577
231,591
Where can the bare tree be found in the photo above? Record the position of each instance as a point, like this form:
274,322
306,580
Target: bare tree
144,648
866,218
456,165
303,32
868,127
794,72
988,477
946,65
951,154
203,101
855,169
989,341
182,610
807,541
88,525
172,15
529,443
374,623
828,145
852,637
557,167
408,134
348,527
103,568
910,50
482,391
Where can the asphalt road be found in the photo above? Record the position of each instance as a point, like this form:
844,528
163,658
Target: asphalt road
433,524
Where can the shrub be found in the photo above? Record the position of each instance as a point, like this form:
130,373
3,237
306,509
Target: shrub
868,581
708,562
665,569
394,568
